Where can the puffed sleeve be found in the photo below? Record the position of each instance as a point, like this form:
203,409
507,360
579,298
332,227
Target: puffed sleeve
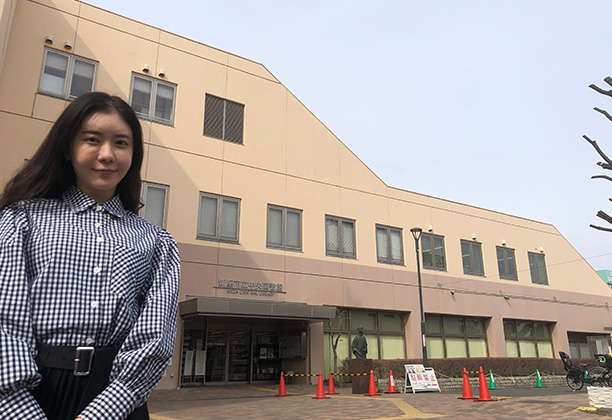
147,349
18,372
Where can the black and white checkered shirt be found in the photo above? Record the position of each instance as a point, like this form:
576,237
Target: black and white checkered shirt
75,273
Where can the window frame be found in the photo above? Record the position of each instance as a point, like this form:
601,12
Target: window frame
466,336
535,271
516,339
219,219
341,253
68,80
224,120
471,244
284,219
432,238
143,198
349,328
389,259
153,99
504,275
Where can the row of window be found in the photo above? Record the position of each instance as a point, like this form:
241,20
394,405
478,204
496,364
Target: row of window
450,336
458,336
219,217
67,76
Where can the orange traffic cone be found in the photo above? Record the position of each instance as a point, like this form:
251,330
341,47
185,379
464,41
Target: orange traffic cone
483,389
372,390
320,390
330,386
467,388
282,392
391,389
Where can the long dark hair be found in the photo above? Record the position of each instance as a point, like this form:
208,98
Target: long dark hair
48,174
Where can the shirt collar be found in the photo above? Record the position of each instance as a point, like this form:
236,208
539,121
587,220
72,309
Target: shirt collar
78,202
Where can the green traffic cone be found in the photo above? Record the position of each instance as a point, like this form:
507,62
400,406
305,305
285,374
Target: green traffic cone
539,379
491,380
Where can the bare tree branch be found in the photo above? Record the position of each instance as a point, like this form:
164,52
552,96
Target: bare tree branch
607,164
600,90
603,215
596,147
601,228
603,111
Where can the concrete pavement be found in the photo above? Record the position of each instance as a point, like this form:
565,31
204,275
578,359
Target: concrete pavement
260,402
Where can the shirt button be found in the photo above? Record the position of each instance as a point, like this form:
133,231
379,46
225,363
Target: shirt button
97,224
94,303
89,340
98,208
97,270
98,240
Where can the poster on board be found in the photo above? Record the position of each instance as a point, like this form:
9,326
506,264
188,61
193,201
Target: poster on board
420,378
188,364
200,363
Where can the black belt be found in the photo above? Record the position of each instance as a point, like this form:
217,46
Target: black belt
77,359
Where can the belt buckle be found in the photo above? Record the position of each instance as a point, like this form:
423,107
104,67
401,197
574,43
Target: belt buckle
83,356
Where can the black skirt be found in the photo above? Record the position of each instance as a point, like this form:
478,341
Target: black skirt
62,395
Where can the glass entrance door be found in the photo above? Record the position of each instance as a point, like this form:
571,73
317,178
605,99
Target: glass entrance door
239,356
228,356
216,356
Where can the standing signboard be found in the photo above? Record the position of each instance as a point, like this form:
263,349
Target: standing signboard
420,378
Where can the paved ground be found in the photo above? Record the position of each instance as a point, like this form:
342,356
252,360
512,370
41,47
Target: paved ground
260,402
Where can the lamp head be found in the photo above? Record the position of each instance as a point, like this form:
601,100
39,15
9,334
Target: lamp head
416,232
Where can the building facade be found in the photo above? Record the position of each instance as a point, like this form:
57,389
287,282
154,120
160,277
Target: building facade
286,238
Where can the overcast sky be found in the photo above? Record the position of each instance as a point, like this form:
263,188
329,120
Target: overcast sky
480,102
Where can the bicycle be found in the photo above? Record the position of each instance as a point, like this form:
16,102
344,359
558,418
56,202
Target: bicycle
577,377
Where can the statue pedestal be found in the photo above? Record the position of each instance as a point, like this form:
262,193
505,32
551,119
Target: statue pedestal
360,383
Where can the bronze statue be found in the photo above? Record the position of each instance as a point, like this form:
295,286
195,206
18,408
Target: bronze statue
360,345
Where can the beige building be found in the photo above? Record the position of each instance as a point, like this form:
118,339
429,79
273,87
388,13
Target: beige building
279,224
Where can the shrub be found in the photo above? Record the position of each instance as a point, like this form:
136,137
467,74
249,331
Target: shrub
501,366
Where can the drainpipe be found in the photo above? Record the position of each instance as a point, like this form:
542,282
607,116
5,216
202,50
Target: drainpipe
309,356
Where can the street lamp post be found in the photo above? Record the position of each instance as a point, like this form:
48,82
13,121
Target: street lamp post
416,234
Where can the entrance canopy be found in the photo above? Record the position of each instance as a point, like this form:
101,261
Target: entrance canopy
255,309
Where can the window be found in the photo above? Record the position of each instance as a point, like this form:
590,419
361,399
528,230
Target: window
223,119
471,253
506,263
339,237
153,99
154,197
66,76
537,266
284,228
433,252
455,336
389,246
587,345
218,219
384,332
578,344
528,339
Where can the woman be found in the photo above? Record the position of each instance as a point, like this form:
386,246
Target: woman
88,290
